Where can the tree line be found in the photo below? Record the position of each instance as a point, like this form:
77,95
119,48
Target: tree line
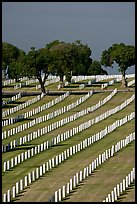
64,59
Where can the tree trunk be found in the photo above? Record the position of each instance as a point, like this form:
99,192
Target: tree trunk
43,88
124,82
42,82
61,78
62,84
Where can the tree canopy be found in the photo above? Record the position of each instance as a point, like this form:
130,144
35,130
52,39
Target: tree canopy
96,69
64,59
123,55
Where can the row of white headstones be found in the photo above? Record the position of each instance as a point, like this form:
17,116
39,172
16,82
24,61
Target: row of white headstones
21,106
81,86
108,83
85,143
120,188
7,82
39,171
38,109
130,83
55,125
44,118
47,129
49,116
12,99
48,83
63,192
83,126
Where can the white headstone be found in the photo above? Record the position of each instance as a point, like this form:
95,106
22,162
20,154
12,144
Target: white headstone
121,187
53,162
4,197
118,190
56,196
26,181
47,166
112,196
8,196
60,194
71,184
21,185
109,198
68,188
12,163
129,179
81,177
37,173
126,181
115,193
29,178
59,158
5,164
13,192
8,165
63,191
17,188
57,162
124,185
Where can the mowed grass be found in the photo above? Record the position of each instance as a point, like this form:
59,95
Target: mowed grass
116,100
27,166
42,189
59,176
78,137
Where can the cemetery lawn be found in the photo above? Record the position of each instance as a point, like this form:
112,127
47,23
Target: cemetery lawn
97,186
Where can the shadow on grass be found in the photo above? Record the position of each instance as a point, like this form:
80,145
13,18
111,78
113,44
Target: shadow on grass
21,148
20,194
121,197
71,86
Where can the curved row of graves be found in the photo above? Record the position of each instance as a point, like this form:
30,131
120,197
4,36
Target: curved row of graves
63,192
36,110
49,116
21,106
53,126
34,175
56,140
121,187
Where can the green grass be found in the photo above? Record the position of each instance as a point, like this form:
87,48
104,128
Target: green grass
60,175
92,189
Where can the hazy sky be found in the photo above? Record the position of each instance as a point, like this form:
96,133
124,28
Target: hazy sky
98,24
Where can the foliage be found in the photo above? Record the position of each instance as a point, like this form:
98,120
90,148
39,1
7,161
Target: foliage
70,58
123,55
37,62
96,69
9,53
83,59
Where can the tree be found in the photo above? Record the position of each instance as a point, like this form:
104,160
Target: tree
37,63
83,58
96,69
9,53
123,55
63,59
70,58
12,57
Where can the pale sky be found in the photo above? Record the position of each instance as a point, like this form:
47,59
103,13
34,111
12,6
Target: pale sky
98,24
